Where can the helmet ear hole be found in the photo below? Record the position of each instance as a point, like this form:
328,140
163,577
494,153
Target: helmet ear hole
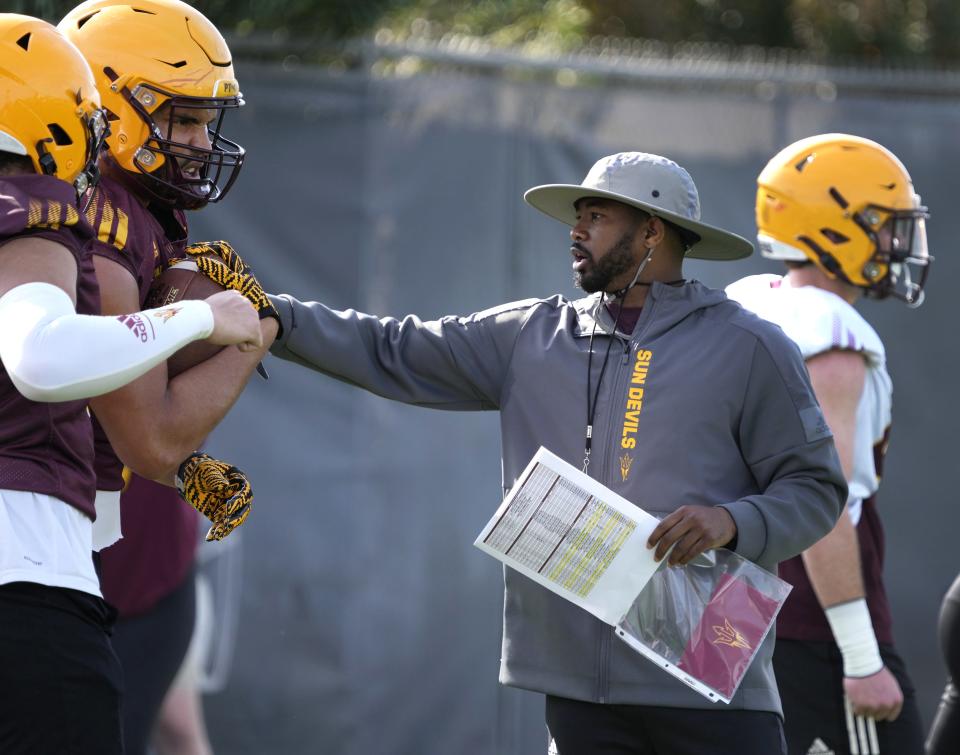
60,137
835,237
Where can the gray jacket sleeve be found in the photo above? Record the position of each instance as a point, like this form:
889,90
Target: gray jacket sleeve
451,363
789,448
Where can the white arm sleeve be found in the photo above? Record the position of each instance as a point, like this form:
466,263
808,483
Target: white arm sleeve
53,354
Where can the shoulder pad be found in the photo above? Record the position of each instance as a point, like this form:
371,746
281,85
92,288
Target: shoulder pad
816,320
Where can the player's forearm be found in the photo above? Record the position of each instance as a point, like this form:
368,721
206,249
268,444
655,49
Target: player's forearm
169,424
200,397
833,564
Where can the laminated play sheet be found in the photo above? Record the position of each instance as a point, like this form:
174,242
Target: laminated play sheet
701,623
574,536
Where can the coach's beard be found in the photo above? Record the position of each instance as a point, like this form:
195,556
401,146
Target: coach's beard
599,275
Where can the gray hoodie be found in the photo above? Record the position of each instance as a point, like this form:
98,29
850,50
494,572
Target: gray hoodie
704,403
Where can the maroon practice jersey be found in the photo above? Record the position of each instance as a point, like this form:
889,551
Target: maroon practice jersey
48,447
156,553
143,240
802,617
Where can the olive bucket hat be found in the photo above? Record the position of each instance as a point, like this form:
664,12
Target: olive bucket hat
651,183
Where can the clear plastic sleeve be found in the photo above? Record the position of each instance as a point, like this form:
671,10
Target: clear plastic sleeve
704,622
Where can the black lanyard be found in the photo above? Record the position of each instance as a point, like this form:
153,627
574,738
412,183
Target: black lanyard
592,400
592,404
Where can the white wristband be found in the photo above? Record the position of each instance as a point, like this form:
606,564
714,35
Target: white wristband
853,631
53,354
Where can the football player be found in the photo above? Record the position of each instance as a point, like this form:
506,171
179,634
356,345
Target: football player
61,681
166,78
944,736
842,213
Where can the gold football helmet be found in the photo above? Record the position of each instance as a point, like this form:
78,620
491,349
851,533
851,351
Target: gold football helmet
49,105
848,205
154,54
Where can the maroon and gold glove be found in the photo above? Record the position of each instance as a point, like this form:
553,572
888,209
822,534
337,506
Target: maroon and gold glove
217,490
221,263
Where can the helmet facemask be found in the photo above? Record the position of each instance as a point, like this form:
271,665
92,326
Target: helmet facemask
98,129
900,240
218,165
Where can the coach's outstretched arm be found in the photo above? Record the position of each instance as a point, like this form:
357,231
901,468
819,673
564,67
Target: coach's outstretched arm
456,363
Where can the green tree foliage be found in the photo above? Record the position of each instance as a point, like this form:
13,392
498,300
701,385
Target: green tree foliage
562,24
921,31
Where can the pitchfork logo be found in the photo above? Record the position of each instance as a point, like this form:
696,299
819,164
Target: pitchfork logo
165,314
626,461
728,635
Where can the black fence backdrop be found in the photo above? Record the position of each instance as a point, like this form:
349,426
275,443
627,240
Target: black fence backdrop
367,622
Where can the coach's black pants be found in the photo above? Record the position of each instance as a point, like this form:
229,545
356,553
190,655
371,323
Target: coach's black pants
60,681
580,728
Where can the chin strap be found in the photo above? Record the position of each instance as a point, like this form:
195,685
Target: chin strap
636,278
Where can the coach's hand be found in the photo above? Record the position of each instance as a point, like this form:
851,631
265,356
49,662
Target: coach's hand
220,263
693,530
217,490
876,696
